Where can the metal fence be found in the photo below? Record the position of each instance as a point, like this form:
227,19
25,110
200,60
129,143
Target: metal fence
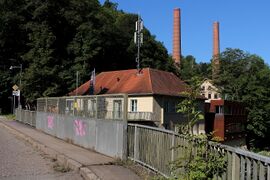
153,147
98,107
26,117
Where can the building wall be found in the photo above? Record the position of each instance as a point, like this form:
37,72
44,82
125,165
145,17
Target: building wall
166,106
158,110
145,103
207,88
229,121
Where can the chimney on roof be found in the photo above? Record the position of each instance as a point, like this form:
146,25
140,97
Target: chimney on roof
177,36
216,60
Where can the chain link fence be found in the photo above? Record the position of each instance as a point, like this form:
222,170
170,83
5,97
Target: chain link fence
99,107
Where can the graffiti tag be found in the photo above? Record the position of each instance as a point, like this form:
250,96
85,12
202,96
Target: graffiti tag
50,121
80,127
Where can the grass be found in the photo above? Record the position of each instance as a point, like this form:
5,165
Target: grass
265,153
10,116
60,168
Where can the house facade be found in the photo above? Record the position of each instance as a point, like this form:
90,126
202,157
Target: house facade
209,91
153,95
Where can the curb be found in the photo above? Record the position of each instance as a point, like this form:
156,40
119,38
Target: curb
63,160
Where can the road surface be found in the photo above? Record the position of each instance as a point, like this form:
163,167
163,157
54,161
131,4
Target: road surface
19,161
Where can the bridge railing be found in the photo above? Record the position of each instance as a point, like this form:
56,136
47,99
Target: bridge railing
113,106
154,148
26,117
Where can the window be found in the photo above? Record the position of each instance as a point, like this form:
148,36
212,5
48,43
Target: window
209,96
133,107
203,87
219,109
215,96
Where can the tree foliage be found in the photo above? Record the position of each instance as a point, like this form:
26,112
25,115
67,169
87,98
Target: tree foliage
246,78
198,160
55,39
189,106
189,68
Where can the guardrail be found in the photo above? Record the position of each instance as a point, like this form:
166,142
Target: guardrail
153,147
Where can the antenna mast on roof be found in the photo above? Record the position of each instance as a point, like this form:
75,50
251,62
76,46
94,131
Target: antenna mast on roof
138,40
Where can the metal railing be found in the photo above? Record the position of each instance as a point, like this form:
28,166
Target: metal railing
95,106
153,147
26,116
112,106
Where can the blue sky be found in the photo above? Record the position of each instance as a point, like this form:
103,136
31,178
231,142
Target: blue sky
244,24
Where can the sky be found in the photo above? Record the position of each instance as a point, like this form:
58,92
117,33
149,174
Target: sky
243,24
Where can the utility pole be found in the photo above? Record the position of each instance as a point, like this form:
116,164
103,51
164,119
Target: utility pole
138,40
77,82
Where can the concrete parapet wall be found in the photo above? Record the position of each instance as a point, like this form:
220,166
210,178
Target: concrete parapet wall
104,136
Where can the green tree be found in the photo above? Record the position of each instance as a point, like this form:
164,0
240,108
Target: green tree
189,68
55,39
245,77
197,161
189,106
12,46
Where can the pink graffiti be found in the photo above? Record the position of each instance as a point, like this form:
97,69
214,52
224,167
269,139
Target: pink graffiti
50,122
80,127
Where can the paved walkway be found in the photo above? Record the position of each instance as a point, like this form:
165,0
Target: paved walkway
91,165
19,161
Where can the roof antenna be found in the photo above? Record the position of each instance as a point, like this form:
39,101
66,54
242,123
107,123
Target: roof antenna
138,40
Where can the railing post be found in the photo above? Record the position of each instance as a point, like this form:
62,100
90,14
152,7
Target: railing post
125,110
46,103
173,144
235,167
248,169
96,113
268,172
135,142
229,166
261,171
254,169
242,169
74,105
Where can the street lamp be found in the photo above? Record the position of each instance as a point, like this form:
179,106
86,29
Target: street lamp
20,86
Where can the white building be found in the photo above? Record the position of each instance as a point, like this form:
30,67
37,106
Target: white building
209,91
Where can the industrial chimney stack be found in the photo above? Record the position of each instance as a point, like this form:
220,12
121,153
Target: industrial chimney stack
177,36
216,61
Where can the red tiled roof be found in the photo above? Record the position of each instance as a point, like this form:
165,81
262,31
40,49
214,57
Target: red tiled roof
149,81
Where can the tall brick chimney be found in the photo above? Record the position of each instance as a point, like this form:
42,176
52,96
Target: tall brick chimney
216,61
177,36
